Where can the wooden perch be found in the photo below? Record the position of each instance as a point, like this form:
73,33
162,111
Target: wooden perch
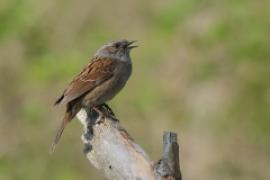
110,148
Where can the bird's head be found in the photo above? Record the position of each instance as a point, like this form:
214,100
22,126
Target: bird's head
116,49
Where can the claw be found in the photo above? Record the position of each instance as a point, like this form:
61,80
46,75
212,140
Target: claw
101,115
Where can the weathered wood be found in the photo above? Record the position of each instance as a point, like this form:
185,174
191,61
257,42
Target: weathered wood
168,167
109,148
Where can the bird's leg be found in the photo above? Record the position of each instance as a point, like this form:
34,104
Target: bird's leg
108,111
104,111
101,115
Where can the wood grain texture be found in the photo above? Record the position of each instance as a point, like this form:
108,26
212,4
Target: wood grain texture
110,149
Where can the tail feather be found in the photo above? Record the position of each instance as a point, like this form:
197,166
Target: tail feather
68,117
58,136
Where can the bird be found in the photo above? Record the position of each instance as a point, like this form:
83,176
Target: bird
102,78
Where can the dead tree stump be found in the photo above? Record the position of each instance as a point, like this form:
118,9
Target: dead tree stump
110,148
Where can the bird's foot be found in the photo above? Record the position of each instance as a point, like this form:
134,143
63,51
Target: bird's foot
101,115
104,111
108,111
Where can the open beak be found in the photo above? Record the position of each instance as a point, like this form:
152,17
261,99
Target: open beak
130,45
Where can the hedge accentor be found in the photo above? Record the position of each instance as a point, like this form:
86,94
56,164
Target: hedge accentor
105,75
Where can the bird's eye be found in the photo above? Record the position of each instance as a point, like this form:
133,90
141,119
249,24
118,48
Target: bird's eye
117,45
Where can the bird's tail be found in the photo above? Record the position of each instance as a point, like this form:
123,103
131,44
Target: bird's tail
68,117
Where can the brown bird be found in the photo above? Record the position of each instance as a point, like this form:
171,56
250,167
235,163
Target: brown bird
105,75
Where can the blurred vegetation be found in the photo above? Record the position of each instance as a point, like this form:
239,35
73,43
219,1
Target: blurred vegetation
202,70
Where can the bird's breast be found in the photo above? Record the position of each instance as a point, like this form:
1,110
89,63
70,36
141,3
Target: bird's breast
123,71
107,90
121,76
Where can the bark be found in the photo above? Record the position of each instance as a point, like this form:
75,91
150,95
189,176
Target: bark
110,149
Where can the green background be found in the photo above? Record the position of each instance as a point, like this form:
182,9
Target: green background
202,70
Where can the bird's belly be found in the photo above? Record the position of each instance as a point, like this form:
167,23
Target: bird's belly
106,91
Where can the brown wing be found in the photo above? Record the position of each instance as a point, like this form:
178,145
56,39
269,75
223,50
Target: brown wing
95,73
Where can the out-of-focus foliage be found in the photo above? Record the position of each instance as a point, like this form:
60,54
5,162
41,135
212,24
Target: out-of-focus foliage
202,70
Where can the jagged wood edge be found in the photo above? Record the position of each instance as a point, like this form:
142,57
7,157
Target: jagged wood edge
168,167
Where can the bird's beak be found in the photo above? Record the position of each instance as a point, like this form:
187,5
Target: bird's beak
130,45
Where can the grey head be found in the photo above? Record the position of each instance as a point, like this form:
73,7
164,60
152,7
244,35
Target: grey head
118,50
